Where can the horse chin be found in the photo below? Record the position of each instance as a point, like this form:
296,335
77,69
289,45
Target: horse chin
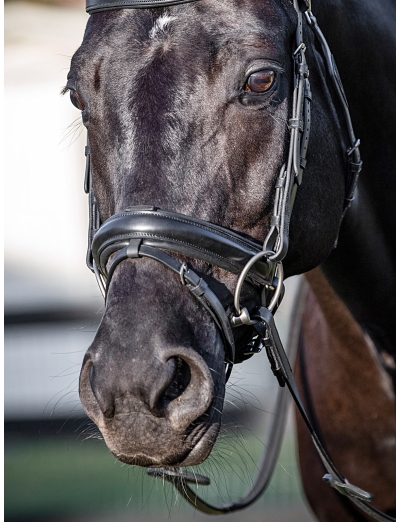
177,449
198,454
203,448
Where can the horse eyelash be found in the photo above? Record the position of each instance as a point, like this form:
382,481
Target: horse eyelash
64,90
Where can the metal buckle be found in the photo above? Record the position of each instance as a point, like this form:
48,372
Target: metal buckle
353,148
183,269
301,47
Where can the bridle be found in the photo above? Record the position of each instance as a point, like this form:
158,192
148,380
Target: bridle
146,231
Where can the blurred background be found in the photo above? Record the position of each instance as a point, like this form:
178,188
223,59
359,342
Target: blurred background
57,468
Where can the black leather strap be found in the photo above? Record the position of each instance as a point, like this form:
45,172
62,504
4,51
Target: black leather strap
182,234
291,173
96,6
353,152
283,372
197,286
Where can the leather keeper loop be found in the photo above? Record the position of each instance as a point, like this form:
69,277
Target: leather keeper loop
200,288
355,167
296,123
132,250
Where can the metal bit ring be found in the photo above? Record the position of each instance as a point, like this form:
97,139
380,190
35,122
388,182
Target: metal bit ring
242,277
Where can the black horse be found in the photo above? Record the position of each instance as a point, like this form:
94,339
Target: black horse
187,109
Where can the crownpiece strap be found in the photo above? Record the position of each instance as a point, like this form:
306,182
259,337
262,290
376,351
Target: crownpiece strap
96,6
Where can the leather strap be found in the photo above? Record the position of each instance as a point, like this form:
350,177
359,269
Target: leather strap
94,215
96,6
291,173
181,234
284,374
353,152
197,286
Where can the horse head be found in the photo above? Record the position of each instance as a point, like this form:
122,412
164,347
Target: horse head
187,110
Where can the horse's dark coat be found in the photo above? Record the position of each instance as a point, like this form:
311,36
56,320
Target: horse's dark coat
362,38
170,125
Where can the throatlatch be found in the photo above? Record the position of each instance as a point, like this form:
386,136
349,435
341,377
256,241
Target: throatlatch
144,231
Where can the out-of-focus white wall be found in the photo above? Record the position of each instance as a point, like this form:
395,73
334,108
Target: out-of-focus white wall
45,207
45,213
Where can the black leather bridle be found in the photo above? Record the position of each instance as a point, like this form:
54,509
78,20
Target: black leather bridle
145,231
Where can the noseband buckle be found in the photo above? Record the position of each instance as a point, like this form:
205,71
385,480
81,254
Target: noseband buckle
182,271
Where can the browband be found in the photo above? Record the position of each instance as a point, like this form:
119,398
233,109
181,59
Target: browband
96,6
181,234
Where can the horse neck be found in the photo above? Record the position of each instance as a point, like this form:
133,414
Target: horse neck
361,268
341,352
368,74
350,398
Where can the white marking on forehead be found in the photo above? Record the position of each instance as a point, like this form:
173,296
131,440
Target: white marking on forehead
161,25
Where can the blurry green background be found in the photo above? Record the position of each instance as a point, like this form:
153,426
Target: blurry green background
57,468
62,478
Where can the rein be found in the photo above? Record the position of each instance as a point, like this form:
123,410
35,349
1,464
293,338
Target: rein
145,231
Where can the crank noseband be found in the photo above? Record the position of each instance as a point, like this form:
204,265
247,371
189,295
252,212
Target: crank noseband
145,231
180,234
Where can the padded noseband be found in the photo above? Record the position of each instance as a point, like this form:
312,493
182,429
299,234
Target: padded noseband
146,231
180,234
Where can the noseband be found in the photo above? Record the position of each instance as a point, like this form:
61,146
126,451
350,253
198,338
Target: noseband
145,231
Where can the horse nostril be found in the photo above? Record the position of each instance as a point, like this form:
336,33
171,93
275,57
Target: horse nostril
104,400
171,385
179,383
188,394
91,378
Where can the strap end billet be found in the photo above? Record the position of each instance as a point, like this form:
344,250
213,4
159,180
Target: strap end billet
174,474
356,145
347,489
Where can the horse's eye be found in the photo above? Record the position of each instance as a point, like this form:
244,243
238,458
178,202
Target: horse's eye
77,100
260,81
